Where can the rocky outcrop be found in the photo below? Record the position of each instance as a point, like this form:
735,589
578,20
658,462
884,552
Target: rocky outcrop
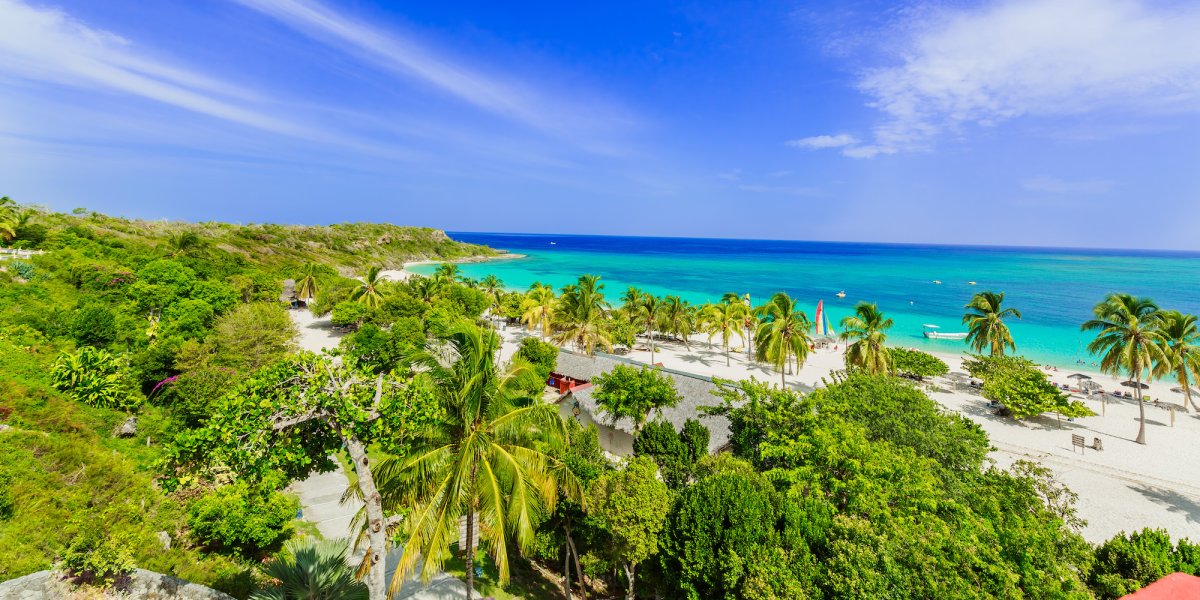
143,585
126,429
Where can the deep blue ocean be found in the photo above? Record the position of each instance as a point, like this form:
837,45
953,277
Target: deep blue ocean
1055,289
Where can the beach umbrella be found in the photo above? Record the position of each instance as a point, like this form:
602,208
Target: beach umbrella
1079,376
1135,384
1179,390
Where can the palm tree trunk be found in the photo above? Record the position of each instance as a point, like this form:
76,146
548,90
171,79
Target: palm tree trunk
651,345
1137,385
469,559
566,570
629,575
727,353
377,531
1188,403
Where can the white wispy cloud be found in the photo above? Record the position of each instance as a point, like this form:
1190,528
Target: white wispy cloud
1016,58
1054,185
532,105
817,142
49,46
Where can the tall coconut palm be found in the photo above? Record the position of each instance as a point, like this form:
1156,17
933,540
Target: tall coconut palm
311,570
724,319
649,312
749,321
425,288
581,318
369,293
484,466
677,318
306,287
985,323
1129,340
868,328
783,333
446,273
537,309
1181,345
631,299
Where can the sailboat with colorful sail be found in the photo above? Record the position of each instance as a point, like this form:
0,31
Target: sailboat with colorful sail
820,320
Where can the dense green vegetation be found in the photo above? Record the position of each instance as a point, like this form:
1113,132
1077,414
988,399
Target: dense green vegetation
160,320
863,489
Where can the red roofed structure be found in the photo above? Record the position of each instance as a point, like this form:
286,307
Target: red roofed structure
1176,586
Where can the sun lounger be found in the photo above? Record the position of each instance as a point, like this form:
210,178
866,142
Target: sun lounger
1078,441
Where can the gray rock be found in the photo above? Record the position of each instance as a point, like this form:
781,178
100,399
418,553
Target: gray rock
164,538
127,429
143,585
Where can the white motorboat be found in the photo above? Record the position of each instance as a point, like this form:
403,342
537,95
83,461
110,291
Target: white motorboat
931,332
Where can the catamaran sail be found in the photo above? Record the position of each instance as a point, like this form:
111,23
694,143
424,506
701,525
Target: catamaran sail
820,317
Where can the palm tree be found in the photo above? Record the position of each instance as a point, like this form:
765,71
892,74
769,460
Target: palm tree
9,220
649,311
869,328
748,321
485,465
724,318
306,288
782,333
311,570
537,309
183,242
1130,340
369,293
446,273
631,299
677,318
425,288
985,323
581,316
492,287
1181,345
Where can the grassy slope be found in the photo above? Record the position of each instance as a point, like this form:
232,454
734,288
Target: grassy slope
351,247
59,461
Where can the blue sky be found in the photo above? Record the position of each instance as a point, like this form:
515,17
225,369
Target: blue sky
1064,122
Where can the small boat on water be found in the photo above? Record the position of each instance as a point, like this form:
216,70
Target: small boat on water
937,282
553,243
970,283
841,294
931,332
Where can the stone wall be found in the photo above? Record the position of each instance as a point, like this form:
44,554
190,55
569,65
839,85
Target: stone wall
144,585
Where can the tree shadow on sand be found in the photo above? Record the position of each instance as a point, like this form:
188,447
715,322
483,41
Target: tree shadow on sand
1173,501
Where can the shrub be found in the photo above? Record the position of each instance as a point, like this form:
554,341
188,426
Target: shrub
244,520
94,377
348,313
1126,563
628,392
23,269
94,325
915,364
188,318
96,558
542,355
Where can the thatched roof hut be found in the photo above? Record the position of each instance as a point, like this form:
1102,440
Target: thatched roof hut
696,391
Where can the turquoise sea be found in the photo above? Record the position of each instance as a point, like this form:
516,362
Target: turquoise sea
1054,289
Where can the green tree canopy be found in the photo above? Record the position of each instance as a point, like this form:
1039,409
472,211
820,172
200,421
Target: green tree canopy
631,505
628,392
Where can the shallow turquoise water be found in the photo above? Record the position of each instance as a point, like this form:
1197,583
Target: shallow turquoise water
1054,289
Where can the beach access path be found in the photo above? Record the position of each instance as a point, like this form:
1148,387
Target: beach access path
320,494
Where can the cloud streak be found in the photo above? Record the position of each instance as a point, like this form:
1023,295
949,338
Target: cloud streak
1031,58
49,46
817,142
405,56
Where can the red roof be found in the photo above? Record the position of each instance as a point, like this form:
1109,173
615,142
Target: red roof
1171,587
